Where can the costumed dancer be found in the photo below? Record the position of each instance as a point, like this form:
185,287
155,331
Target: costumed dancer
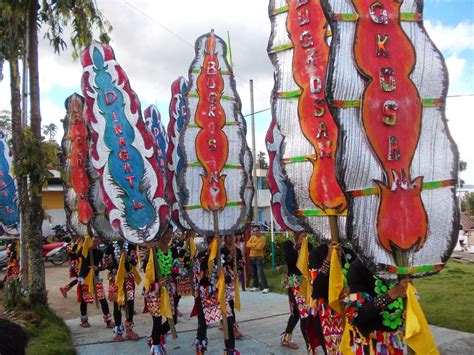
206,305
232,264
13,267
122,278
374,312
183,250
326,323
73,263
239,244
90,283
159,290
293,281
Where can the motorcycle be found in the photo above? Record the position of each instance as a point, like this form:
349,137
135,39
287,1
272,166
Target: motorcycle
61,233
55,252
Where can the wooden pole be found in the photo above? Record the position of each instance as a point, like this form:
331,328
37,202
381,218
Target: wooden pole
219,269
92,287
334,230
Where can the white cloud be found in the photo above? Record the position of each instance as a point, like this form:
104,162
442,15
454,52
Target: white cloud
154,45
449,39
461,126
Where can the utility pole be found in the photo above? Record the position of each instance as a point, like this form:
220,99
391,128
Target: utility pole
254,153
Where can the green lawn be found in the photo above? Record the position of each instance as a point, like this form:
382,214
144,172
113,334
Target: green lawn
447,298
49,336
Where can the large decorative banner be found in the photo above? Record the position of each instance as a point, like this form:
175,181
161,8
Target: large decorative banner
174,155
282,194
123,151
157,129
74,160
299,52
388,85
216,171
9,213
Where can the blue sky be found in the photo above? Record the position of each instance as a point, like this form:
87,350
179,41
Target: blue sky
154,44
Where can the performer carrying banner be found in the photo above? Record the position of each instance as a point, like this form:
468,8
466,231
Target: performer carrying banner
73,263
374,314
207,307
90,283
293,282
160,290
121,261
326,318
181,269
232,264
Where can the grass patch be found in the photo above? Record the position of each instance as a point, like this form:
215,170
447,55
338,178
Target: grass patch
445,298
50,336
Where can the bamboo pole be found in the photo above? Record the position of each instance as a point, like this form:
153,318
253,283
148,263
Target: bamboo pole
92,287
219,269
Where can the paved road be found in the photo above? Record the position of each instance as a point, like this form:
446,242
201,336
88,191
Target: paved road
262,319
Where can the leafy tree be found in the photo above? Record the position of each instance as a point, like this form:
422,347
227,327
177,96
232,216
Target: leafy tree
81,16
6,123
262,160
50,130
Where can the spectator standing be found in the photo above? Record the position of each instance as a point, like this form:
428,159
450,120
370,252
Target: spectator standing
256,246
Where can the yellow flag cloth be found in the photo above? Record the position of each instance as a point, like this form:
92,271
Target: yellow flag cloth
302,262
237,293
302,265
89,280
192,248
165,303
86,246
221,292
150,278
417,332
336,282
213,253
120,279
138,278
345,345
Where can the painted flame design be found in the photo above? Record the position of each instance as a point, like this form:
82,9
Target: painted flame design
386,57
211,142
310,63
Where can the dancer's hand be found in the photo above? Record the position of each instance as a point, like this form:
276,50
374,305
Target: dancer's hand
344,293
399,290
333,245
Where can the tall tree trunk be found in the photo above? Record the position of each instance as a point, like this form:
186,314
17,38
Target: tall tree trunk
37,283
22,187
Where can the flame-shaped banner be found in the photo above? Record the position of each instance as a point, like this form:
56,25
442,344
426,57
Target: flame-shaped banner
9,213
302,116
74,165
174,155
282,199
123,151
398,161
157,129
216,171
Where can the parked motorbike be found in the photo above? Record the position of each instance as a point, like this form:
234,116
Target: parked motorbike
61,233
55,252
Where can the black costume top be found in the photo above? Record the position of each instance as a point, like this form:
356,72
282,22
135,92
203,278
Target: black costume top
111,262
368,315
228,262
316,260
291,257
97,256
